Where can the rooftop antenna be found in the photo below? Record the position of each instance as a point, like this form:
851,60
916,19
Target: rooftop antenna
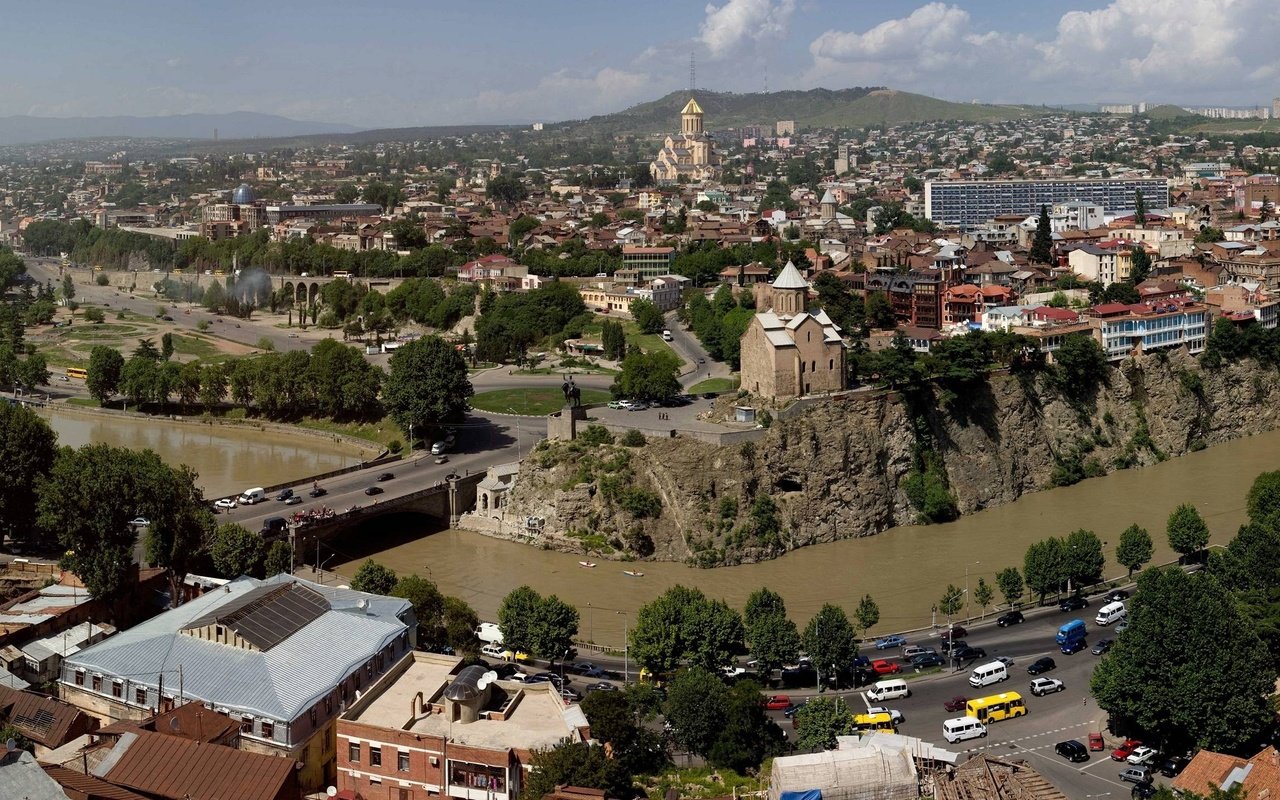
692,73
766,78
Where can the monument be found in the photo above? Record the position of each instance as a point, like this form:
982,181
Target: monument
563,424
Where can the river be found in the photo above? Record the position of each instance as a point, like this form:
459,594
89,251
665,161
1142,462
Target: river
228,458
905,569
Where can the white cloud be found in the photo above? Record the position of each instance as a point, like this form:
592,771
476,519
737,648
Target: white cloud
738,22
1192,51
561,95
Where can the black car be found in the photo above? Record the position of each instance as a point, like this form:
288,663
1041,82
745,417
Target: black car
386,476
1010,618
285,494
1072,751
1073,603
1117,595
372,490
1074,646
1173,766
553,677
954,632
601,686
709,395
318,491
967,653
1041,666
1143,791
927,660
953,644
1101,647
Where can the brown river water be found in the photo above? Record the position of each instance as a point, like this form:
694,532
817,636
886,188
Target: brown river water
905,569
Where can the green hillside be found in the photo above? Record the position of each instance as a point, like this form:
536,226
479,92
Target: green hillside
815,108
1167,112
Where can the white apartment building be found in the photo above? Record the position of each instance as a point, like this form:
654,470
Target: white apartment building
1151,326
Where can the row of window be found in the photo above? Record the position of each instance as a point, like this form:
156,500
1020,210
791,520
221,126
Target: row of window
354,752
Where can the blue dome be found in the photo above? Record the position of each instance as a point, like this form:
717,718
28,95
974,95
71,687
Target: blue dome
243,194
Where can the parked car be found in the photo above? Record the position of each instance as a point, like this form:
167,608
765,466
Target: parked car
293,500
372,490
968,653
790,711
1074,646
442,459
894,714
1173,766
570,694
516,655
1117,595
1041,666
1101,647
386,476
1072,751
491,651
1143,791
601,686
778,702
1125,749
890,642
1073,603
1010,618
638,406
1008,662
318,491
1095,741
1136,774
956,703
226,503
1042,686
953,644
139,522
1122,626
1142,756
954,632
915,650
927,660
884,667
616,404
284,494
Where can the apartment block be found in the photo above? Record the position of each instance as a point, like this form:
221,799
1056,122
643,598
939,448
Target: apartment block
969,203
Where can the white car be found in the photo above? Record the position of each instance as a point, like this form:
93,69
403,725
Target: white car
492,651
139,522
1042,686
893,713
617,404
1142,756
226,503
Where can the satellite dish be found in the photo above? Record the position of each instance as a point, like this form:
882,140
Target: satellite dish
174,724
10,745
362,604
332,791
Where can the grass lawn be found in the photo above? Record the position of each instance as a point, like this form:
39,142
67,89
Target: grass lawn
196,346
382,432
714,385
538,401
87,402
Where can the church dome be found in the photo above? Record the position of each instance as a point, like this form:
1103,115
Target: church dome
243,195
692,107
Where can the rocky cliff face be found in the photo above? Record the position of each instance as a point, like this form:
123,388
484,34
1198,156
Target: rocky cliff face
858,466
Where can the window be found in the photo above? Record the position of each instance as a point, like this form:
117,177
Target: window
220,632
140,696
353,752
402,794
402,761
117,688
313,716
375,756
97,683
79,677
268,730
328,704
246,725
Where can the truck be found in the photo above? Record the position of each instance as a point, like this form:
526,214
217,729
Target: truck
1071,632
489,632
250,496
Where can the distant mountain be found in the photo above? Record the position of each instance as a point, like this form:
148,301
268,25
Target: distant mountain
236,125
820,108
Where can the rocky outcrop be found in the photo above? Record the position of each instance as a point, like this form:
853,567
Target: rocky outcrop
855,467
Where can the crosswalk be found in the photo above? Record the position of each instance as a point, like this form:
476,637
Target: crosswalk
1019,742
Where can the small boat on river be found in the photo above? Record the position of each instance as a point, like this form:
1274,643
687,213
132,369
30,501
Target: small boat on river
587,564
633,573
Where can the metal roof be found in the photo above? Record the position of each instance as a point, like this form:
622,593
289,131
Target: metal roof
170,766
280,683
269,614
790,278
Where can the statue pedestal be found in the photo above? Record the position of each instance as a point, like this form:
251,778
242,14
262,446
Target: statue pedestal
563,424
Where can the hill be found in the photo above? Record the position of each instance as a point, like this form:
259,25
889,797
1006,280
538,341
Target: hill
236,125
1167,112
814,108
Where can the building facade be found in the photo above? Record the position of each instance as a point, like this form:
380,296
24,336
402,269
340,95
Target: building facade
1144,327
691,155
970,203
788,352
649,262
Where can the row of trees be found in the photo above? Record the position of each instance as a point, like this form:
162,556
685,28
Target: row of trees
443,621
720,322
20,365
510,324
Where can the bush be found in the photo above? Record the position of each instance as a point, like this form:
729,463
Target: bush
102,280
94,315
640,503
202,325
633,438
595,434
765,419
265,343
395,446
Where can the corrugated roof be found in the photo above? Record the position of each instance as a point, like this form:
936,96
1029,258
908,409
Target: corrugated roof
21,776
42,719
278,684
170,766
90,785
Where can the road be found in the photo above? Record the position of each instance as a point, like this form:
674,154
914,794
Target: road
700,366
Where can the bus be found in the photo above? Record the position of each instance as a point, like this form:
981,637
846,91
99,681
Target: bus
996,707
874,722
341,273
77,372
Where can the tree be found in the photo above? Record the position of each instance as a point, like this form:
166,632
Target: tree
748,735
1081,366
615,721
68,288
1134,548
1139,209
542,626
213,385
1140,267
28,448
94,315
830,640
427,384
279,560
460,622
867,613
1010,582
1082,558
166,347
1187,530
1266,210
613,340
695,707
682,623
647,316
374,578
1165,677
1209,235
772,637
506,190
105,366
346,193
575,764
951,602
1042,243
647,377
983,594
428,608
1042,566
181,524
820,720
237,551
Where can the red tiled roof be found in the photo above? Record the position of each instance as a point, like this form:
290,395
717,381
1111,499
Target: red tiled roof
1110,308
89,786
172,767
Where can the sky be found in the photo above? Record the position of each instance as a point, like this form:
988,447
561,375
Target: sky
425,62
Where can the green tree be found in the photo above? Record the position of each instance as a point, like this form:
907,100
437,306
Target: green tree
1080,366
1140,268
427,384
1042,566
213,385
1042,243
105,366
1209,235
543,626
374,578
615,720
237,551
695,707
506,190
830,640
428,608
647,316
867,614
181,525
1082,558
346,193
648,377
166,347
748,735
820,720
1139,209
613,340
95,316
1165,674
951,602
68,288
983,594
771,636
575,764
681,624
1263,500
28,448
1134,548
460,622
1187,530
279,560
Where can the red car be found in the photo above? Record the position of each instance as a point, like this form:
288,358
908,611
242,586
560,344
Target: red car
955,631
778,702
883,667
1095,741
956,703
1125,750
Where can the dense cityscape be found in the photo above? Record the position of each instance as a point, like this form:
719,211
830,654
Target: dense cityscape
798,444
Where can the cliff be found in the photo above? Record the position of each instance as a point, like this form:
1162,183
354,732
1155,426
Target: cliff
857,466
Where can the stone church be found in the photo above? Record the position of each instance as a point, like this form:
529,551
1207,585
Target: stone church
691,156
787,351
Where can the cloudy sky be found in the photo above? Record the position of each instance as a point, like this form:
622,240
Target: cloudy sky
422,62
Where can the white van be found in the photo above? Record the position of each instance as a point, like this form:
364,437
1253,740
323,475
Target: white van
439,448
250,496
1110,613
961,728
666,336
489,633
889,690
987,674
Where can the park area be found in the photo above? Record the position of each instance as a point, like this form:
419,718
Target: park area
534,401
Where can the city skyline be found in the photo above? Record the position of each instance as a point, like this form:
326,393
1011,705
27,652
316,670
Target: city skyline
405,64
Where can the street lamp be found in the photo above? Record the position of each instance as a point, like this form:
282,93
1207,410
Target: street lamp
626,650
968,615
